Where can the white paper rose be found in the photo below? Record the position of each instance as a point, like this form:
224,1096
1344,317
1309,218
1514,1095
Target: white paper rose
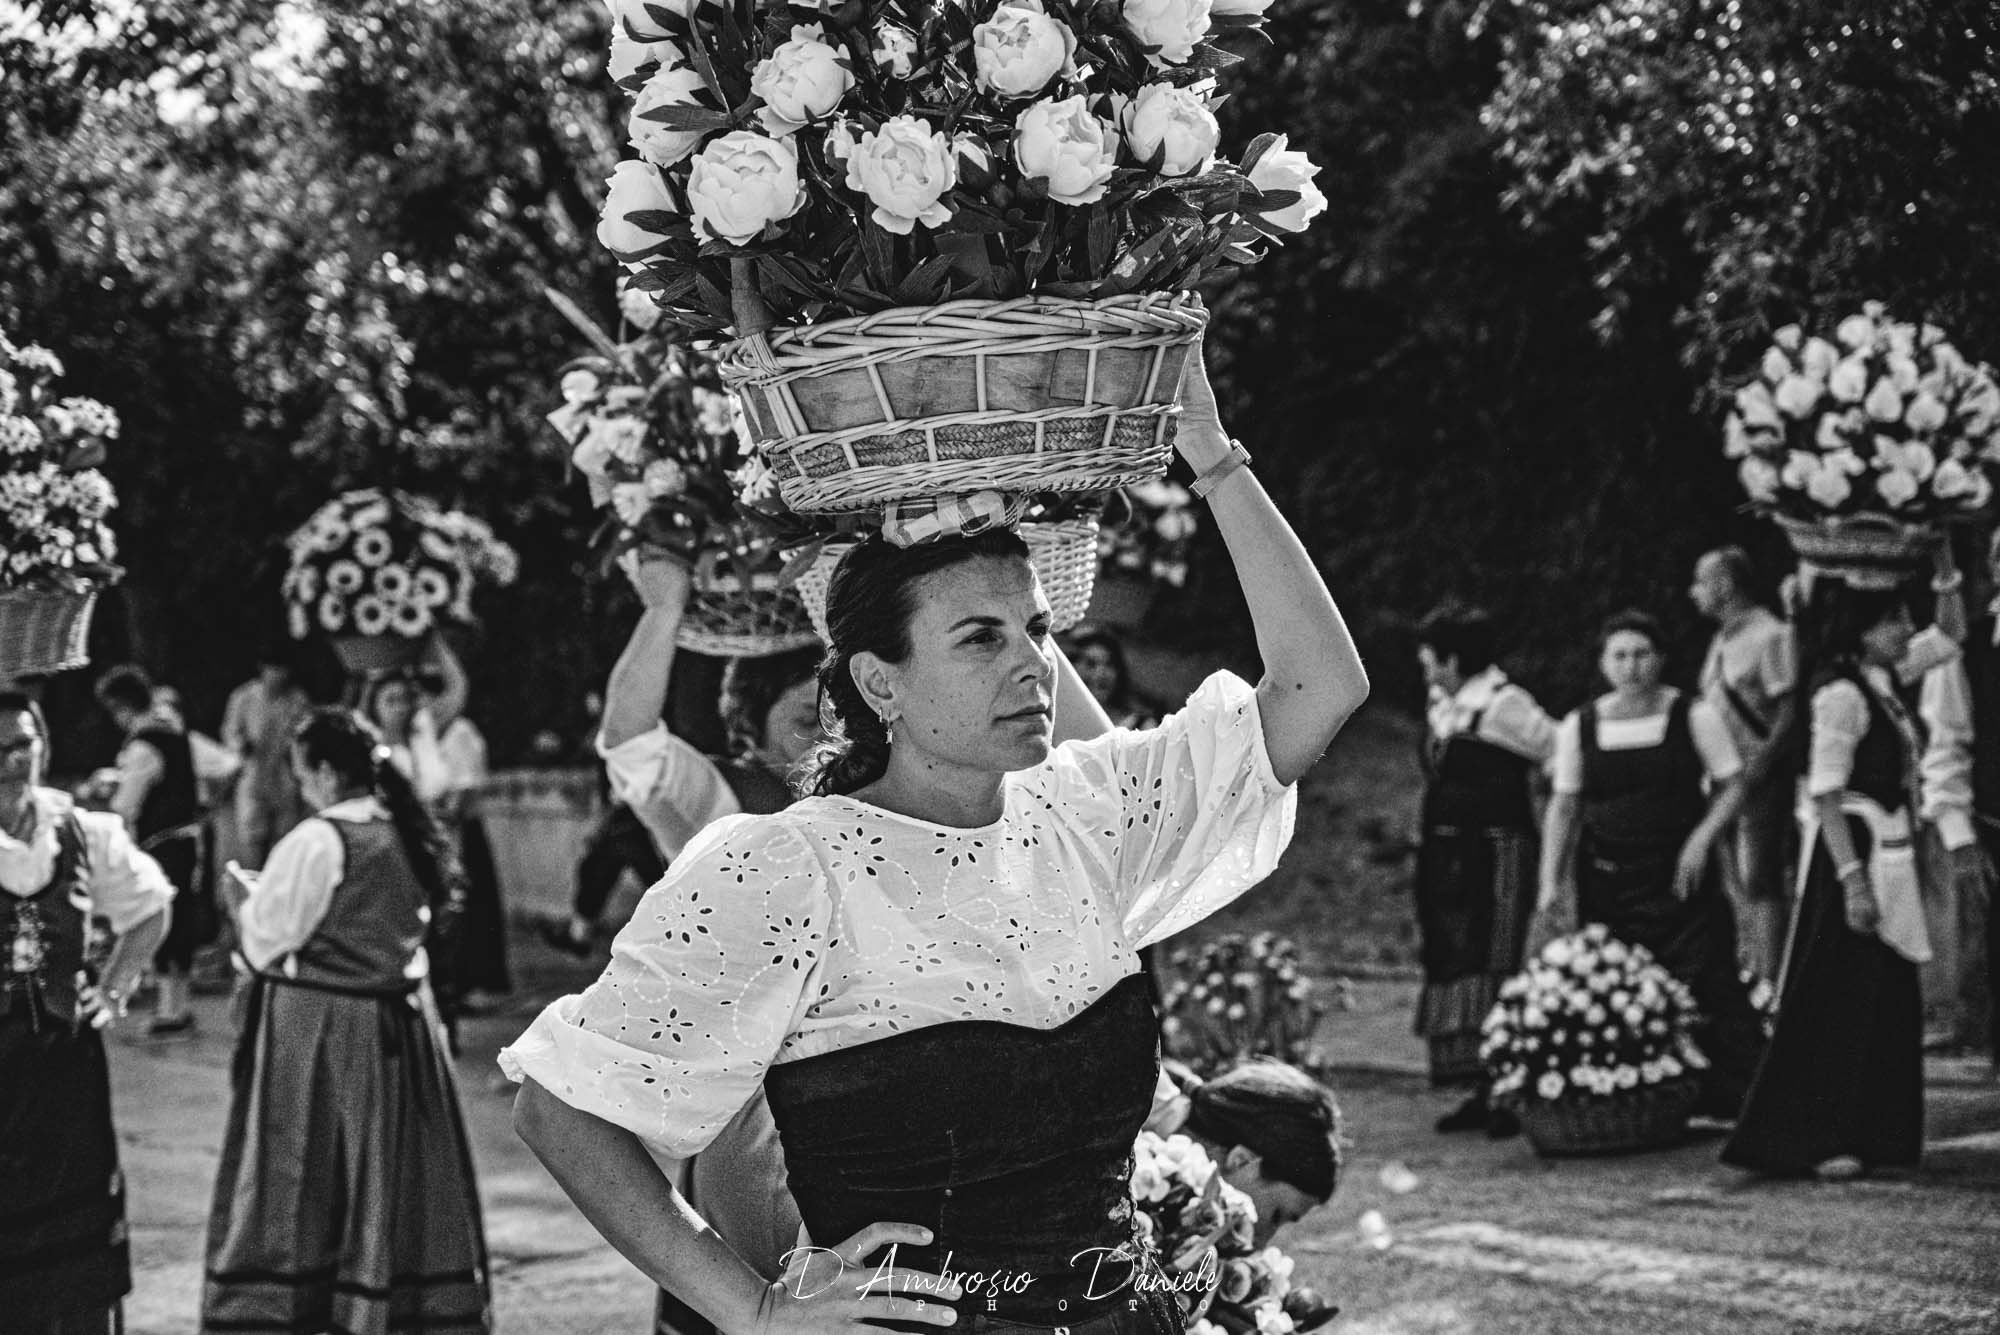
664,477
1758,408
1955,481
1759,478
1819,358
1897,486
1775,366
1884,404
1060,142
631,16
1916,458
1173,26
801,82
1856,332
1832,432
1174,123
1019,49
894,50
741,183
1925,414
904,168
1903,374
635,187
1282,168
676,86
631,501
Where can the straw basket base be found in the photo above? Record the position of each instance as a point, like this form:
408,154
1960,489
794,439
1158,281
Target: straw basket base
1064,555
370,655
1862,551
1033,394
725,620
44,631
1650,1117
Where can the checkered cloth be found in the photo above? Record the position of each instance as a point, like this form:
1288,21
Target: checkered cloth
907,523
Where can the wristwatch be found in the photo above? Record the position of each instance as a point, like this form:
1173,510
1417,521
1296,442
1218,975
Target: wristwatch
1238,457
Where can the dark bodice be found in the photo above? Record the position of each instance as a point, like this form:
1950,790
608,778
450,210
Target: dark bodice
1013,1144
45,937
174,800
1474,784
1882,760
375,922
1642,797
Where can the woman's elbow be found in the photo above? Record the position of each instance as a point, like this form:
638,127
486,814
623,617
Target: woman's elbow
535,1114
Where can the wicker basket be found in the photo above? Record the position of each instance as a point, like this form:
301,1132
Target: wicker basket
1034,394
1863,551
728,621
1064,554
44,630
373,655
1647,1118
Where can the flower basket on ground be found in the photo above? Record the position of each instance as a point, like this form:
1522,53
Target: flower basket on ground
1591,1045
1240,997
56,550
378,571
657,439
958,242
1201,1230
1863,445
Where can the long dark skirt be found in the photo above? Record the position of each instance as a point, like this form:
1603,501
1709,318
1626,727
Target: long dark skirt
1631,892
64,1262
1474,892
1845,1072
345,1197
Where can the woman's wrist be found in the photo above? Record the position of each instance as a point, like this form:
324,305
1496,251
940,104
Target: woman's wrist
1201,442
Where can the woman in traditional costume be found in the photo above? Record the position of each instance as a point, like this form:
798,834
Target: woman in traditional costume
929,963
345,1198
64,1263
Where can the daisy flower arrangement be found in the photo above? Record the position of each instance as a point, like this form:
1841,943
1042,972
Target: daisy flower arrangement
376,562
1238,997
54,499
1589,1018
1877,416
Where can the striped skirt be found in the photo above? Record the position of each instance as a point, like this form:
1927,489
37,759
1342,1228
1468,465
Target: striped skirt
345,1200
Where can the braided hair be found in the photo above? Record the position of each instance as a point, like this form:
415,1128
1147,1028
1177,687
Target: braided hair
869,606
353,748
1288,1118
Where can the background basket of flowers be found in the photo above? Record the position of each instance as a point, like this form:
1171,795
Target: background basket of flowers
378,571
655,435
978,227
1239,997
1142,548
1591,1045
56,551
1862,445
1202,1232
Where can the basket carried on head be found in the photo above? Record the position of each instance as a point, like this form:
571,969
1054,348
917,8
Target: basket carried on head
44,630
1064,553
1648,1117
375,655
726,620
1033,394
1863,551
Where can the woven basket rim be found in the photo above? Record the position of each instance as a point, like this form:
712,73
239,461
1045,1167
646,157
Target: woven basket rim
1179,311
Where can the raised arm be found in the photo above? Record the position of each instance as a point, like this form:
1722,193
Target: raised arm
1313,679
637,691
1079,717
449,702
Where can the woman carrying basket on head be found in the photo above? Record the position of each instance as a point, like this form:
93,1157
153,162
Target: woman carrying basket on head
928,965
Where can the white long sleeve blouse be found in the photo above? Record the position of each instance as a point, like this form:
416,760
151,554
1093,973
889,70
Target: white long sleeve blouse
290,898
126,886
832,923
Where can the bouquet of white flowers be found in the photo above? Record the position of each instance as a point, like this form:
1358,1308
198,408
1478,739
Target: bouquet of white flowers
1859,444
1240,997
1203,1231
1593,1044
56,550
379,570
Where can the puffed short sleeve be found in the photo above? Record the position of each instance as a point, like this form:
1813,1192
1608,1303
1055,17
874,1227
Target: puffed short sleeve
704,986
1196,815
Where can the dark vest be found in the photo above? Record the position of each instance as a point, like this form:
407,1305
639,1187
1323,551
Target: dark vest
758,790
174,801
1012,1144
44,938
1647,797
1474,784
1884,768
376,921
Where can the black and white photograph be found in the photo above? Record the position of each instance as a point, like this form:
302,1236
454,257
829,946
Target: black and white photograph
1018,667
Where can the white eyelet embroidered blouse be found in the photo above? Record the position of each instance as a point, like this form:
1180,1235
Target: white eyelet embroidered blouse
833,923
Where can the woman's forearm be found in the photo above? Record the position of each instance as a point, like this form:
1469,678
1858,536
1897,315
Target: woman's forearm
132,951
1559,831
1833,832
1313,677
449,702
636,693
618,1187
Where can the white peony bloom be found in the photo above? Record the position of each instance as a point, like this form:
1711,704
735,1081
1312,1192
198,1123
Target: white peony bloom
1856,332
1759,478
1758,408
1925,414
1832,433
1819,358
1062,143
1282,168
1019,49
1173,123
1915,458
1788,337
1797,396
1172,26
1829,485
1775,366
741,183
670,87
904,169
630,501
630,16
635,187
1903,374
631,58
1884,404
580,386
894,50
802,81
636,304
1898,486
1849,381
